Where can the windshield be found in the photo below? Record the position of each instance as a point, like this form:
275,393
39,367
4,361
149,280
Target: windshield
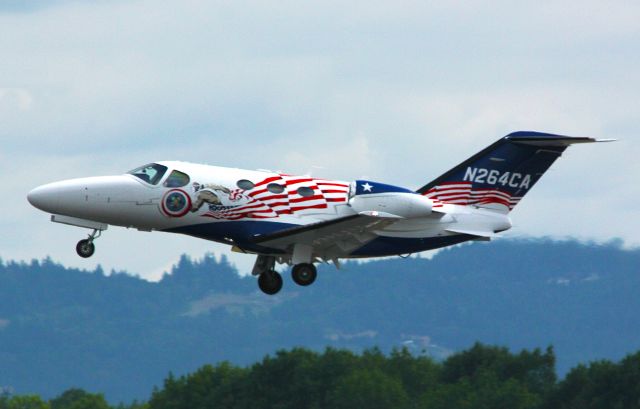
151,173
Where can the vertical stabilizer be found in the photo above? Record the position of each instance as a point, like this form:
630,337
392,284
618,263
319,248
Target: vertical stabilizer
499,176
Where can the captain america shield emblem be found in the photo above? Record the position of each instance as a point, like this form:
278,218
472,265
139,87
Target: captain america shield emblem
176,203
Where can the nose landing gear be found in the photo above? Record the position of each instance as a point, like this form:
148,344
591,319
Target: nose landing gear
85,248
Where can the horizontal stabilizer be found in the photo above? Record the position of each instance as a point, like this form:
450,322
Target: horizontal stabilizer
547,139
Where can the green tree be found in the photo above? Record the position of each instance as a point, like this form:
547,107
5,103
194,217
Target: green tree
332,366
79,399
26,402
484,391
536,370
210,386
171,395
133,405
370,389
288,380
418,374
601,384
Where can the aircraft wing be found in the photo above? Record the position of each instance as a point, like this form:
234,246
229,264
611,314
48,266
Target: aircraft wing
331,238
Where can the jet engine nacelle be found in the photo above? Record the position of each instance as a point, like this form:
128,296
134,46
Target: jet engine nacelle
387,200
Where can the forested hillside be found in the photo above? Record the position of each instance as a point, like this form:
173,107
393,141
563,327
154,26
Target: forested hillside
120,335
480,377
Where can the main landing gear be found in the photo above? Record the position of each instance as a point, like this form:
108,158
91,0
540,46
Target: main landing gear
304,274
270,281
85,248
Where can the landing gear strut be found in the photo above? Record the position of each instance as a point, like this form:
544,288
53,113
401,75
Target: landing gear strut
269,281
304,274
85,248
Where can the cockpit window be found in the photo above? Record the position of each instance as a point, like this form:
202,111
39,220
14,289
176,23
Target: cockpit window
151,173
176,179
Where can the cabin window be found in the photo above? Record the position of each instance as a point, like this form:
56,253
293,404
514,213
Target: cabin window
275,188
245,184
177,179
151,173
305,191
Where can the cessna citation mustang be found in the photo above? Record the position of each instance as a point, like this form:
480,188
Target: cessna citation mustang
300,220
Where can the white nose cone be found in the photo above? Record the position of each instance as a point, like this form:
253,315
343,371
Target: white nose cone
58,197
107,199
41,197
35,197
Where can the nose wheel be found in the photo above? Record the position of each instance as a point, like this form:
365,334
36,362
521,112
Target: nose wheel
85,248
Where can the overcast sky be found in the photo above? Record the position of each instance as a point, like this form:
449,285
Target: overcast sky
396,91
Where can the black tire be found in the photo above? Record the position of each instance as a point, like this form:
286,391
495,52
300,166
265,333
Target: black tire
270,282
304,274
85,248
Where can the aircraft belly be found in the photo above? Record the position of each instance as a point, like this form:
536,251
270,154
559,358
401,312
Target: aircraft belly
236,233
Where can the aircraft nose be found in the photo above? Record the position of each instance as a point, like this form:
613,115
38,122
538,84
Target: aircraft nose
41,197
86,198
57,197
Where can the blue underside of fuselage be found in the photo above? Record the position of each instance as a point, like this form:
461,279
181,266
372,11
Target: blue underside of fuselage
240,233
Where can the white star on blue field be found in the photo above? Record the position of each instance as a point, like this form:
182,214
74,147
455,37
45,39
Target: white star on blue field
396,92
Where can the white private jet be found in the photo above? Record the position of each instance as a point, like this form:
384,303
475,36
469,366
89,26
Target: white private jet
301,220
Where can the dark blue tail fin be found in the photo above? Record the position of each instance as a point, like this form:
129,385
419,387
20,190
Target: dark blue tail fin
499,176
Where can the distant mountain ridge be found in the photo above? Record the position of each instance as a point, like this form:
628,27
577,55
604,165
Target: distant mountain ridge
122,335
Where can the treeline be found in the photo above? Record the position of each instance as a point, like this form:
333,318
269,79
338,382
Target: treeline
70,399
481,377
